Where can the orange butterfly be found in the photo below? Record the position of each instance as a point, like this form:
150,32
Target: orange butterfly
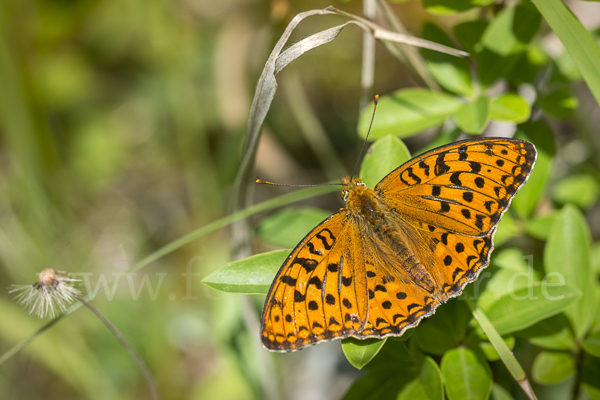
396,252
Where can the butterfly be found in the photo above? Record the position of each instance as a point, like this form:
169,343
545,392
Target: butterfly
396,252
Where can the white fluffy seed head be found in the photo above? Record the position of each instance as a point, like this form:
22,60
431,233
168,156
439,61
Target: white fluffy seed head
52,291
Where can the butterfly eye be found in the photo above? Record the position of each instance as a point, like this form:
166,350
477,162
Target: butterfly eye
361,184
344,193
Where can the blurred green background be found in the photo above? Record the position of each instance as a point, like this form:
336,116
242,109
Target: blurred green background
122,125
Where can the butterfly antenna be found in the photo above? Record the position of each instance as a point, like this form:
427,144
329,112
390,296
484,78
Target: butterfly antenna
366,137
283,184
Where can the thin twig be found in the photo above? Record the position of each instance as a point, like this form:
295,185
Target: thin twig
136,357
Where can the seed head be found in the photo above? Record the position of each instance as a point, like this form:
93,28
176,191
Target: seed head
52,290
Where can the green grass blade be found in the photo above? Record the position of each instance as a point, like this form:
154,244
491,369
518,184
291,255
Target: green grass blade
504,352
577,41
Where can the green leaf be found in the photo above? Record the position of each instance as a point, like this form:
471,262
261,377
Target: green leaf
474,116
252,275
510,107
444,7
539,227
528,66
360,352
287,227
581,190
577,41
452,73
552,367
516,26
529,195
508,273
590,373
469,34
567,256
551,333
466,377
524,307
446,137
407,112
428,385
559,104
444,330
592,344
390,371
507,229
499,393
384,156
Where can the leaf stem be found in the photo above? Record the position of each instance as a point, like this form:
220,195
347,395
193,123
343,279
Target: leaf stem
136,357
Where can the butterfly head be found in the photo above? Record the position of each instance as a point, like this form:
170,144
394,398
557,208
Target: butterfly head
348,185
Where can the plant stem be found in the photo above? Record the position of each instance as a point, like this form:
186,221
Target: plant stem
136,357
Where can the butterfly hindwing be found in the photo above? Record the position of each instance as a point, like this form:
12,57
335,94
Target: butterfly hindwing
318,294
457,260
463,187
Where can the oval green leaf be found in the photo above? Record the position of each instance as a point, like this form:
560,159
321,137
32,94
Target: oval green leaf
384,156
407,112
539,226
567,256
252,275
499,393
427,386
559,104
552,333
444,331
474,116
581,190
452,73
360,352
552,367
516,26
524,307
510,107
466,377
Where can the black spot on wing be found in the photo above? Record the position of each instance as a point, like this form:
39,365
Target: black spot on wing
288,280
424,167
327,238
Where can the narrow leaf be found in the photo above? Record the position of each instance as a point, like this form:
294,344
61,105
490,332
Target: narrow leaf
577,41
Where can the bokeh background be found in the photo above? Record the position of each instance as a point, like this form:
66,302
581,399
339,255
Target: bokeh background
122,125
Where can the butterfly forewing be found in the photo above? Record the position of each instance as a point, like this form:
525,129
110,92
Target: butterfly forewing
463,187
